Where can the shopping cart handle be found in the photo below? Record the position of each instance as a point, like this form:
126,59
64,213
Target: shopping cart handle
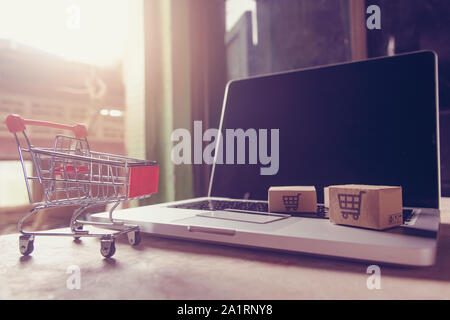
15,123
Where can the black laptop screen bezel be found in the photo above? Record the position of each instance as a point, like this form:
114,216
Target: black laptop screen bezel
426,55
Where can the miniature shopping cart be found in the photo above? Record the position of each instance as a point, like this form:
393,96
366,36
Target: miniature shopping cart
291,202
72,175
350,204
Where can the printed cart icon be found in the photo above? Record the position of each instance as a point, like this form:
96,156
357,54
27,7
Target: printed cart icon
291,202
350,204
71,174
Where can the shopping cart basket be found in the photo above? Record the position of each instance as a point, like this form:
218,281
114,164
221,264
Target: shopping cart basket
291,202
72,175
350,204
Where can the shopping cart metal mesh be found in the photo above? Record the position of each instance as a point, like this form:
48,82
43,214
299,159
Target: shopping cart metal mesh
72,175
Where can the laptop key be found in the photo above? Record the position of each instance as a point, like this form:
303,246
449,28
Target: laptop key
223,204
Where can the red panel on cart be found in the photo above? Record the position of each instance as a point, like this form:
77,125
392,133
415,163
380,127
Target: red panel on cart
143,180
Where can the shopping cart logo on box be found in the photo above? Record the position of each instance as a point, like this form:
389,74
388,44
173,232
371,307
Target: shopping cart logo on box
350,204
291,202
72,175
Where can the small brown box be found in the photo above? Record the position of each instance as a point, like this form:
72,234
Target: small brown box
292,199
326,197
326,201
373,207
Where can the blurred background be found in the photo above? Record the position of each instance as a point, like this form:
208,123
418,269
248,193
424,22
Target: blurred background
135,70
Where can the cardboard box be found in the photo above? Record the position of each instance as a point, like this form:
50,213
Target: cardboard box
373,207
326,202
294,199
326,197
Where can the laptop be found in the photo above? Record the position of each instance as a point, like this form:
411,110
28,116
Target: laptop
366,122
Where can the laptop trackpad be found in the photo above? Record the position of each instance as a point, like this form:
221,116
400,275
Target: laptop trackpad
243,217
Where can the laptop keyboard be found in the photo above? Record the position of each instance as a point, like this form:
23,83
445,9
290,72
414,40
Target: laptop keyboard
255,206
408,214
224,204
258,206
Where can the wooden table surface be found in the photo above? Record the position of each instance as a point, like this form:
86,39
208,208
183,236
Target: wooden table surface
179,269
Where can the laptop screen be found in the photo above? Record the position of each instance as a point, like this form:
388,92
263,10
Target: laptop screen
369,122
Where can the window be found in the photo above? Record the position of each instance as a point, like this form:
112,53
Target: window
87,31
294,34
60,61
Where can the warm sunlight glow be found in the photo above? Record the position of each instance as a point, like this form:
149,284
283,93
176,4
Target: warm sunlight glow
235,9
90,31
111,113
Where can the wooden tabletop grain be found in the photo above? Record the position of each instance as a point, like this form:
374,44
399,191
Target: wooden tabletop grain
179,269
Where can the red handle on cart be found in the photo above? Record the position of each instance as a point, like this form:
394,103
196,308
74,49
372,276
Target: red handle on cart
15,123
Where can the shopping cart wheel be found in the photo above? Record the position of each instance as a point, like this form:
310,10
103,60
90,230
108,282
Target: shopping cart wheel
26,245
108,248
134,237
355,216
79,228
